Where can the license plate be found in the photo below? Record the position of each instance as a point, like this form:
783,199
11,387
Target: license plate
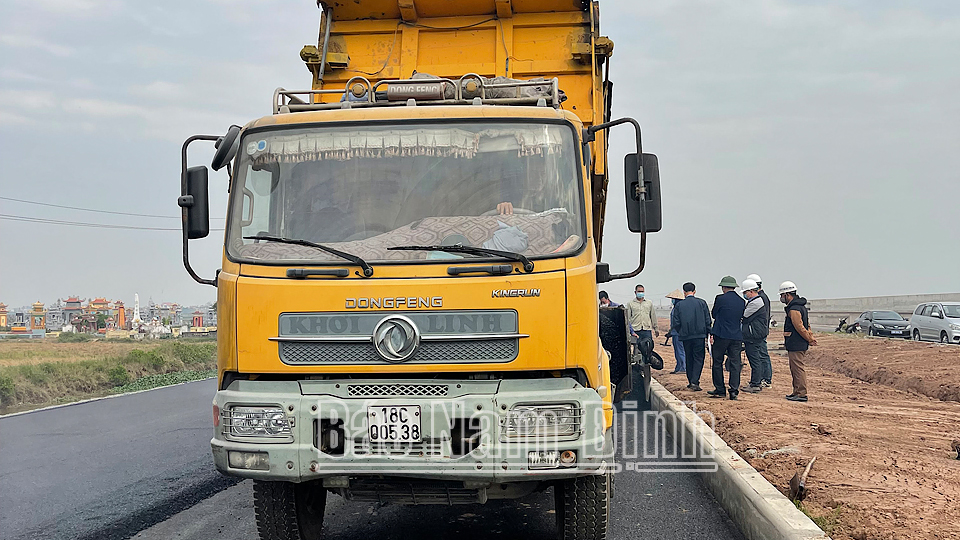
896,331
394,424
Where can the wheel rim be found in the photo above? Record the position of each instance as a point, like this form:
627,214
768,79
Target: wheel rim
916,335
943,337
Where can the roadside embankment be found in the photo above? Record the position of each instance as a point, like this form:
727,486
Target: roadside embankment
928,369
47,372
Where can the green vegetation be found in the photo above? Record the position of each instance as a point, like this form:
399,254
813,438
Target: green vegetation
164,379
827,522
32,385
72,337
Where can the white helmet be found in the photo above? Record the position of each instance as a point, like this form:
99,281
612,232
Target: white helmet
788,286
749,285
755,277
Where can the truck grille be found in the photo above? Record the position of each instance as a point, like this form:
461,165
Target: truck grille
390,390
424,448
432,352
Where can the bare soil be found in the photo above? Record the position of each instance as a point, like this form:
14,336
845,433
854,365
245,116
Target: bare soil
881,418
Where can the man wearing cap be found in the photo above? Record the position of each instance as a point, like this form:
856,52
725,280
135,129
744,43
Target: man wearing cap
691,320
797,337
755,329
727,338
766,368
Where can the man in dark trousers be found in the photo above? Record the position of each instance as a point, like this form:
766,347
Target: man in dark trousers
755,328
766,369
691,320
797,337
727,338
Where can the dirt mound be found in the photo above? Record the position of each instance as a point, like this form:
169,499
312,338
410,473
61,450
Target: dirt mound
885,469
928,369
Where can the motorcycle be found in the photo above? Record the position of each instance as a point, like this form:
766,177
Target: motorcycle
847,328
842,327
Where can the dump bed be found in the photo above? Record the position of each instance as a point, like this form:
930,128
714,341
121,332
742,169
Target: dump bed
382,40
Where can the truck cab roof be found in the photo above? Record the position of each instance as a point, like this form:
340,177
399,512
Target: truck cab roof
443,112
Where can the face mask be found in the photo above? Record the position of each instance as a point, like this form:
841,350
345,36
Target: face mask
639,296
783,299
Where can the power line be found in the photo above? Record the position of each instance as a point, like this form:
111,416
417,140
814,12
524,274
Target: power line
90,209
27,219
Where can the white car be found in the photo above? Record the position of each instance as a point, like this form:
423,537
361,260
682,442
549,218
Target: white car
936,321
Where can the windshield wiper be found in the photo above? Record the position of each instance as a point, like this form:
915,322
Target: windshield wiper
460,248
367,269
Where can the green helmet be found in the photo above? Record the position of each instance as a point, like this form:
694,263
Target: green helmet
729,281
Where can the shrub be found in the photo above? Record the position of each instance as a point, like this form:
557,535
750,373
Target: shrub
118,375
72,337
150,359
35,374
7,390
192,353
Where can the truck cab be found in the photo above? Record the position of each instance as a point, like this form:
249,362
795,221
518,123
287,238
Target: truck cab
407,302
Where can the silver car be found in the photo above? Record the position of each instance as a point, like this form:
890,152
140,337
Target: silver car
936,321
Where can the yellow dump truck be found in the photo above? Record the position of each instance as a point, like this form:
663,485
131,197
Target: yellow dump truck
407,305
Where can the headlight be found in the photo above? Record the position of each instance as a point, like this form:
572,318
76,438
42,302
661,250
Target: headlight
531,421
255,422
955,326
880,326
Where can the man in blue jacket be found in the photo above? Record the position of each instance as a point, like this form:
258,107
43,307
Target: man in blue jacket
727,338
691,320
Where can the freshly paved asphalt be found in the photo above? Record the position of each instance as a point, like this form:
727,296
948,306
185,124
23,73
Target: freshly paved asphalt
110,468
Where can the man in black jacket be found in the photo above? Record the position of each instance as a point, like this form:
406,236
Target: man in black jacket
691,320
766,369
755,329
727,339
797,338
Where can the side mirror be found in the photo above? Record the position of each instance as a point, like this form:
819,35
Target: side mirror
650,215
196,202
603,272
226,148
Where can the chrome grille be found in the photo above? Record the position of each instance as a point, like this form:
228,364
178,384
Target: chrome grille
430,352
389,390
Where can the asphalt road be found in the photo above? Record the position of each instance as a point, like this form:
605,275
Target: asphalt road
111,468
108,468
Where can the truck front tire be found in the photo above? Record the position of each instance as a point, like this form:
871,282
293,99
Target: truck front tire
583,507
288,511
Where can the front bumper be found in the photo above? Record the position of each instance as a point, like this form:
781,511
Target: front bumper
892,332
463,436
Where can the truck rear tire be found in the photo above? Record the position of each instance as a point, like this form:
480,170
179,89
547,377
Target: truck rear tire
583,507
288,511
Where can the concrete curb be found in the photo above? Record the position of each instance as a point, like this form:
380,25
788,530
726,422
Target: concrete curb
759,509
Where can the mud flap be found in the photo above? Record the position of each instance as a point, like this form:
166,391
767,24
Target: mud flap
613,337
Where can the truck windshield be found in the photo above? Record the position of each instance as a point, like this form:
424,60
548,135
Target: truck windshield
511,187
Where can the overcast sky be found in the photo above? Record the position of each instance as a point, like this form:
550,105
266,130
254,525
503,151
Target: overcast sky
802,140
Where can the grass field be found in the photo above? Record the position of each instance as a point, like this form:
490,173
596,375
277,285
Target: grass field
37,351
44,372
